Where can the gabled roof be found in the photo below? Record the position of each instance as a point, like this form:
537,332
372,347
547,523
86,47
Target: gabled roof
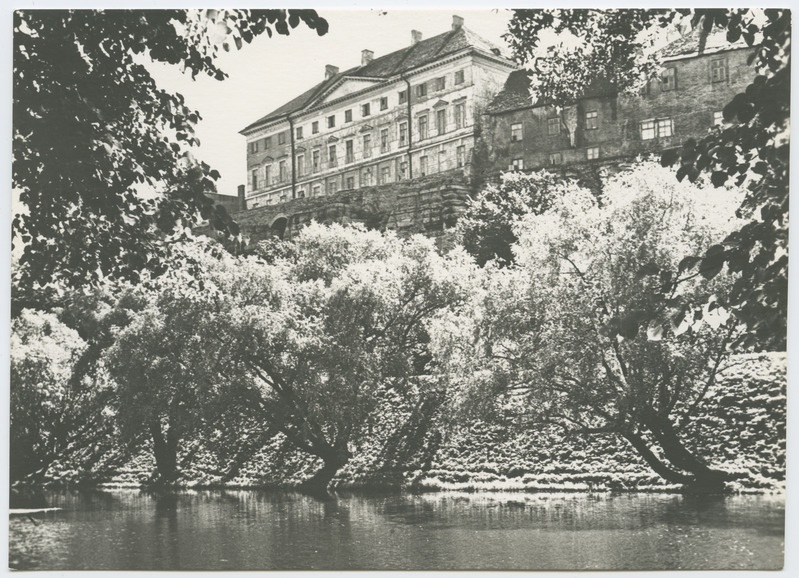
403,60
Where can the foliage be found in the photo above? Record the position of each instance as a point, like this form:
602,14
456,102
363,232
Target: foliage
486,229
618,46
97,145
572,336
303,344
51,413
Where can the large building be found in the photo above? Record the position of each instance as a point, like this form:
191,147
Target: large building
400,141
405,115
701,75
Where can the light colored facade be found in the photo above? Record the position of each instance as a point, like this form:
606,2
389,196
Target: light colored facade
407,114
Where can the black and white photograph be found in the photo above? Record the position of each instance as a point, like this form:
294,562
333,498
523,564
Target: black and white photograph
407,288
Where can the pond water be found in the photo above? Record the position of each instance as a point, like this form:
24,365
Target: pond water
238,530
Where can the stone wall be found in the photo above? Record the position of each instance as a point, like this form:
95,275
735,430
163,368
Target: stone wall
430,205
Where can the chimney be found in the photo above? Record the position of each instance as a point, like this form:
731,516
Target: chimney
330,71
242,199
416,36
457,22
366,57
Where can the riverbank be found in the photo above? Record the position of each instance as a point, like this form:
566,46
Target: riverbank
742,431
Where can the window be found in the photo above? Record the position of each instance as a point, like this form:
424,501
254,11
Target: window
553,126
555,158
254,179
300,165
718,70
349,152
299,133
253,147
366,178
281,138
441,83
403,96
267,175
384,140
661,128
591,120
718,118
385,175
516,132
331,121
421,90
384,103
459,77
348,115
423,166
367,146
267,142
350,183
460,155
460,115
665,127
332,159
647,130
331,186
668,80
441,121
365,109
315,127
316,190
592,153
517,164
403,134
315,160
403,170
283,174
301,194
422,127
442,159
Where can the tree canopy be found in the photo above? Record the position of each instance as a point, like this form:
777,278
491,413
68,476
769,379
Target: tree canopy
619,46
572,336
98,145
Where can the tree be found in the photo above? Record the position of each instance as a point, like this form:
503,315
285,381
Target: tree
487,227
303,345
575,336
618,45
53,414
97,145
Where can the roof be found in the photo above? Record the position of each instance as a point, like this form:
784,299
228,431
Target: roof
693,44
389,65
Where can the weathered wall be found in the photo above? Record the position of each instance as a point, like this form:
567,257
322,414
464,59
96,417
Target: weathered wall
428,205
690,105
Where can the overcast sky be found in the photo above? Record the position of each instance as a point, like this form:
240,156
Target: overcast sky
270,71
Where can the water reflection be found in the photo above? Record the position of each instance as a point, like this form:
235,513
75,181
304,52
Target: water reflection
277,530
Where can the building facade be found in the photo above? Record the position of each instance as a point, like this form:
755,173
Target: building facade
405,115
699,78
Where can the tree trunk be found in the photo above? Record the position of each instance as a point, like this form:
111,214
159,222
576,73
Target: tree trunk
165,450
333,460
678,464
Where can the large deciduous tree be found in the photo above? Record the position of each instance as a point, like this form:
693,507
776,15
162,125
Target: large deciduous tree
618,45
304,344
575,334
97,144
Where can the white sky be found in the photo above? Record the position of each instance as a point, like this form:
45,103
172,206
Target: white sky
271,71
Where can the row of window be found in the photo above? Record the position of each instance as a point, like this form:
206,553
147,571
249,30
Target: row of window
650,129
719,72
263,177
366,111
383,175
